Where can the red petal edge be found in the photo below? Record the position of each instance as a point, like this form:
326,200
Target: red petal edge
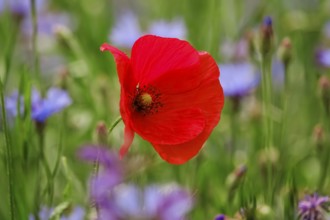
128,140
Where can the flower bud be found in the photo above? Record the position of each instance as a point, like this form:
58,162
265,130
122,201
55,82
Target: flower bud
284,51
268,157
102,133
318,136
266,37
324,86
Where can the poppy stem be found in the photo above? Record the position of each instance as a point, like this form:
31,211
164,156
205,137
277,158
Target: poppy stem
114,124
35,39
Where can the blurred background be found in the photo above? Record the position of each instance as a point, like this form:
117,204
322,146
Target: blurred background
55,44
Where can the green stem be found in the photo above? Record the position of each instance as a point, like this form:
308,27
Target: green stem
114,124
233,127
35,39
266,110
9,164
50,187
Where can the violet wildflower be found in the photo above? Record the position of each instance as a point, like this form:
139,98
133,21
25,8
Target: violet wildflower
175,28
313,207
77,213
127,29
323,57
110,175
41,108
20,7
238,51
115,201
238,79
220,217
168,202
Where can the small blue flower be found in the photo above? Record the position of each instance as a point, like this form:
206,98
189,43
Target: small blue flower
175,29
323,57
22,7
313,207
110,176
220,217
116,200
168,202
55,101
47,23
238,79
127,30
41,108
268,21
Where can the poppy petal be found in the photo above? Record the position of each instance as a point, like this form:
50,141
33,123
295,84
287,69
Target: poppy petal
128,140
209,98
170,127
156,57
123,65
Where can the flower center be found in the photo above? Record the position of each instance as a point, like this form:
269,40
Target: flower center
146,100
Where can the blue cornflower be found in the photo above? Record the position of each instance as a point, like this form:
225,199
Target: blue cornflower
115,200
220,217
168,202
323,57
127,29
175,29
77,213
313,207
21,7
47,22
110,175
41,108
238,79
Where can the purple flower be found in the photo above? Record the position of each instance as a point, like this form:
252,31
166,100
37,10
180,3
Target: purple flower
238,51
238,79
110,176
77,213
21,7
127,29
323,57
268,21
41,108
168,202
116,200
175,29
220,217
313,207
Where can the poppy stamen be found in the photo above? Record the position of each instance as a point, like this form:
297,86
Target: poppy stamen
146,100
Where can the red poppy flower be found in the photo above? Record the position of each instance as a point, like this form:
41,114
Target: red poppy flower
170,95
